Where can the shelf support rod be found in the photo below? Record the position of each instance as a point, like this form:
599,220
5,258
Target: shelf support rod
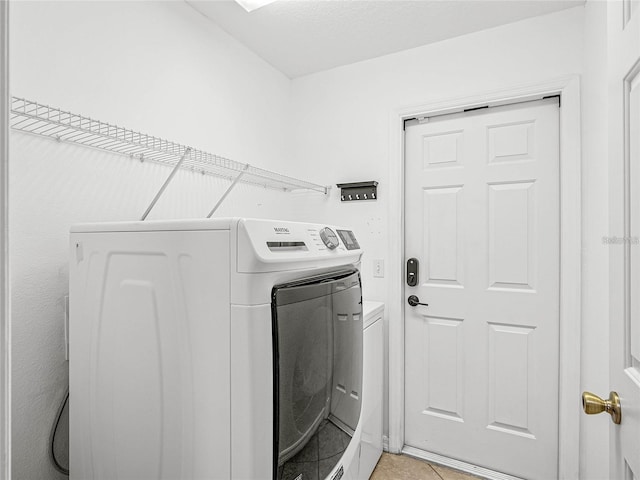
224,195
165,184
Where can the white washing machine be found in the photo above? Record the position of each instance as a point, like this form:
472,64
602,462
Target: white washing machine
216,349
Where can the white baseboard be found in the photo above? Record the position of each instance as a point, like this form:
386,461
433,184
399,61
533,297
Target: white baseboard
457,464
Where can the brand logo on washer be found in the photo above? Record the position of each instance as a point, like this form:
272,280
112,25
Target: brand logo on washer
281,229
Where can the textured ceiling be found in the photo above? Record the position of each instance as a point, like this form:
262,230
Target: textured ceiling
299,37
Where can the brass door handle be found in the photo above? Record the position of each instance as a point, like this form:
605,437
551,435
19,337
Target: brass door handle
593,404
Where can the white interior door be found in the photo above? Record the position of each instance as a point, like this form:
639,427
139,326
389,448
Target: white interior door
482,218
624,161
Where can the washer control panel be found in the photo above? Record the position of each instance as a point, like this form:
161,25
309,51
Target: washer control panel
274,245
349,239
329,238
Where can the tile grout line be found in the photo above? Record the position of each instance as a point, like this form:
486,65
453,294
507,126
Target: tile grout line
435,471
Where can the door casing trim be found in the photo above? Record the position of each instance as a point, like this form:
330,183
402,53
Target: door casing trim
568,87
5,322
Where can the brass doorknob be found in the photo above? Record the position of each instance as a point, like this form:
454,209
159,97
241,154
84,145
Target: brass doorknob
593,404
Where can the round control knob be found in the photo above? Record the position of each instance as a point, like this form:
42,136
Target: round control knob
329,238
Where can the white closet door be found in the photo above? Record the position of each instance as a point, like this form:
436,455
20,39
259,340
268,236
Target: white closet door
624,274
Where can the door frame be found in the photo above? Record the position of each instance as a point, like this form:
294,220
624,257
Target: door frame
568,88
5,337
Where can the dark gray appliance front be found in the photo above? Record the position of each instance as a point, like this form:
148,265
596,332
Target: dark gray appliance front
317,358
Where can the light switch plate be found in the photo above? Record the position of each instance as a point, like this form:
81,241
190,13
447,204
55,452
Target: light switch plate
378,268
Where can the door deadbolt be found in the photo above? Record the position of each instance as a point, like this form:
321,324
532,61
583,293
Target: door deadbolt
412,272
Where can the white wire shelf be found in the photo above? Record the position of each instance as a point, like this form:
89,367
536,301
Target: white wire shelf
38,119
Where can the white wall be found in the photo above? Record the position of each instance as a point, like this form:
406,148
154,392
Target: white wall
341,129
157,67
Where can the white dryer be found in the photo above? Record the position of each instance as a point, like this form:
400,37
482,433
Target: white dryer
215,349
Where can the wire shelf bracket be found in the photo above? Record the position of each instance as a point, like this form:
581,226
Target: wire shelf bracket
43,120
228,191
165,184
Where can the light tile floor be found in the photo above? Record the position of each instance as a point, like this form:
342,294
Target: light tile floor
403,467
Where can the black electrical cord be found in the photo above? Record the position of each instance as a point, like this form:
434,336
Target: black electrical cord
52,437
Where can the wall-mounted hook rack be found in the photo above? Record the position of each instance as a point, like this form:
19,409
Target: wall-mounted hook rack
358,191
